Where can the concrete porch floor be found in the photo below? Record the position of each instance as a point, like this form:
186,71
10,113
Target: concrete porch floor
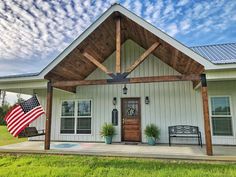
161,151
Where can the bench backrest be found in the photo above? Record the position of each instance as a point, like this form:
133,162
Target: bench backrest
183,129
31,131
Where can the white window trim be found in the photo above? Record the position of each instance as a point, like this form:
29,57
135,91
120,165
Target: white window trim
76,116
231,115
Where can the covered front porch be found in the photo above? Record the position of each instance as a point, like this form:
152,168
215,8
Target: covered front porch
105,61
160,151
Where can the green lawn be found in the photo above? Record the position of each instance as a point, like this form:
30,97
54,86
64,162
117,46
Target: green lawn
7,138
55,165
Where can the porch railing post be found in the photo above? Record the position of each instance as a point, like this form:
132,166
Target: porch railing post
206,115
48,116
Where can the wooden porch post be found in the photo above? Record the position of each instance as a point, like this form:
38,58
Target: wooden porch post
48,116
206,115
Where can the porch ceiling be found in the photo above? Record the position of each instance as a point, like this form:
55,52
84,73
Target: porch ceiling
101,43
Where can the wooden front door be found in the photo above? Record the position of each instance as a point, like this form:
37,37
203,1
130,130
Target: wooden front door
131,119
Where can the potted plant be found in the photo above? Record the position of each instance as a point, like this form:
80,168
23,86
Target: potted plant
107,131
152,132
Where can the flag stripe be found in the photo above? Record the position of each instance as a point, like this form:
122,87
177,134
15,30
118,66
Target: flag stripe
11,113
25,124
17,122
22,122
20,116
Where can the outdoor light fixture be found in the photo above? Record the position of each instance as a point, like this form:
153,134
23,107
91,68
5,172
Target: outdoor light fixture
147,101
114,101
125,90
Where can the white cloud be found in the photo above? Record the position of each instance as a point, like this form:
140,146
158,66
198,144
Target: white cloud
172,29
169,8
182,2
185,25
137,7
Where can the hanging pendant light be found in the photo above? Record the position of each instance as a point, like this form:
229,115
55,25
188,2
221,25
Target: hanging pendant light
125,90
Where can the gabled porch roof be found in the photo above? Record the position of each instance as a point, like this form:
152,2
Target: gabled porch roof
99,41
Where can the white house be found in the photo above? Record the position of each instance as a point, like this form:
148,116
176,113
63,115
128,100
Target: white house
165,83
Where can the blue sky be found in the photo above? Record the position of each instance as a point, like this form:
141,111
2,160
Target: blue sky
34,32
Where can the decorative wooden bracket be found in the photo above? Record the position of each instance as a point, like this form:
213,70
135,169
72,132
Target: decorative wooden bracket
143,57
98,64
118,77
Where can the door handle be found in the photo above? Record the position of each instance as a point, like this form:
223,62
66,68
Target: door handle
123,121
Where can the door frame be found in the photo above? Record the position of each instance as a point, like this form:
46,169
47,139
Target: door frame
121,123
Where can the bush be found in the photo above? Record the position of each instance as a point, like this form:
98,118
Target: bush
152,131
107,130
3,111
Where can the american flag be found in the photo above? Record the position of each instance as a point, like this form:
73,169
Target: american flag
21,115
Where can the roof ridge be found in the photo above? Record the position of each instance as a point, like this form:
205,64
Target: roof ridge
208,45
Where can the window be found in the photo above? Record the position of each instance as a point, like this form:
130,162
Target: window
76,117
68,117
84,117
221,116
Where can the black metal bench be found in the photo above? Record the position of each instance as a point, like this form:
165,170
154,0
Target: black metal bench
30,132
184,131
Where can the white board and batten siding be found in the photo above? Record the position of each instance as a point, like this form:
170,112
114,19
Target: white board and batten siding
171,103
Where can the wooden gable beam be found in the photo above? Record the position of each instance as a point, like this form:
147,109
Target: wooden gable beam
98,64
142,57
170,78
118,45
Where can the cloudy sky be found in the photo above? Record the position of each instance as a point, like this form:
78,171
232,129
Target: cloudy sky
34,32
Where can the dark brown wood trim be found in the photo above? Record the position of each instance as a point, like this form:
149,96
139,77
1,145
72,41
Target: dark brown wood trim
97,63
118,45
139,60
170,78
207,126
48,116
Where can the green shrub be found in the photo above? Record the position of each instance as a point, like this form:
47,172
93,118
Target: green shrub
107,130
152,131
3,111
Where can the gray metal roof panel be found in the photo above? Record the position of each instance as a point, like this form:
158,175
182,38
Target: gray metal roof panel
20,75
218,53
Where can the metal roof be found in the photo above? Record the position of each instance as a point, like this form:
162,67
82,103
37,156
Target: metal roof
20,75
218,53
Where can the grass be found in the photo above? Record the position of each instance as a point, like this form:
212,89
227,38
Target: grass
6,138
59,165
